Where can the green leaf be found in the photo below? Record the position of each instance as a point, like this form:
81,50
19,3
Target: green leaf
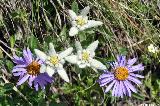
48,22
2,91
113,99
146,59
48,39
8,86
33,42
89,81
148,83
123,50
74,7
63,32
138,96
12,41
82,36
158,82
9,65
90,32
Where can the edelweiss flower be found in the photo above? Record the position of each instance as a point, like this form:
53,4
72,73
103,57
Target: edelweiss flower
152,48
84,57
122,77
54,62
28,68
80,22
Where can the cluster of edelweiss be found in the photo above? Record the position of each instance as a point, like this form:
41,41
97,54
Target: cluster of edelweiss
38,70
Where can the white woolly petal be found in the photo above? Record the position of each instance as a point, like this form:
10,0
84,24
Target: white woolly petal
97,64
78,46
73,31
85,11
49,63
72,59
63,74
79,62
51,49
62,61
43,68
92,54
92,47
82,65
79,54
50,71
40,54
74,23
93,23
81,28
66,53
72,14
88,64
58,66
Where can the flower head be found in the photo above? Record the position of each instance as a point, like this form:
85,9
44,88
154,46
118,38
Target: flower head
54,61
84,57
80,22
122,77
28,68
152,48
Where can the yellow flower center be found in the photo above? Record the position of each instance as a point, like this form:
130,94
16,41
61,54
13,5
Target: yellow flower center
121,73
80,21
54,60
33,68
85,56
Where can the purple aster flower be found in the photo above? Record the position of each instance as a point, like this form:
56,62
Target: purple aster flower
122,77
28,68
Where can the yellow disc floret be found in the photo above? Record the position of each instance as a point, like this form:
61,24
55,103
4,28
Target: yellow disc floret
85,56
33,68
54,60
80,21
121,73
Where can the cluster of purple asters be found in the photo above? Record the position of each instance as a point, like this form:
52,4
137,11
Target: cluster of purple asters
28,69
121,77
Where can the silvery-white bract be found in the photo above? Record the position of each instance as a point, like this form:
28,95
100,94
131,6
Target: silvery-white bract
80,22
54,61
84,57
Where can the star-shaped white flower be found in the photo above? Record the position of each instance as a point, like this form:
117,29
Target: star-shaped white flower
54,61
80,22
152,48
84,57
